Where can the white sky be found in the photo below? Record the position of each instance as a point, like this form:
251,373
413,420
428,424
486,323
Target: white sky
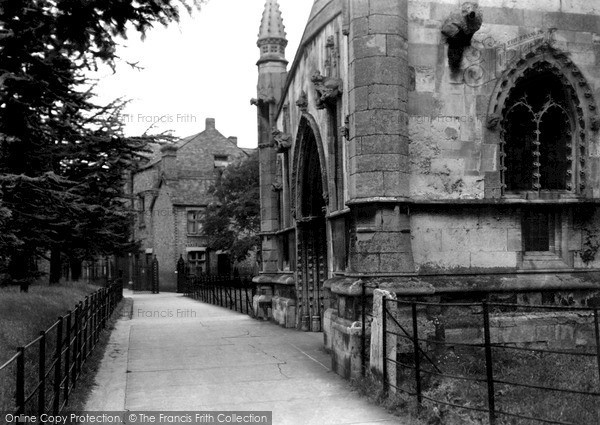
203,67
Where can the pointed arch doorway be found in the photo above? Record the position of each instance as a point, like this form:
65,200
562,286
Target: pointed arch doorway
311,208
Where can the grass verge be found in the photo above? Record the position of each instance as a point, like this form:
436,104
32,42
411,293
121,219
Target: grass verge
87,379
24,314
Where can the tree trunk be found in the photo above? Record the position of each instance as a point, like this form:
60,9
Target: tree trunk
55,266
75,269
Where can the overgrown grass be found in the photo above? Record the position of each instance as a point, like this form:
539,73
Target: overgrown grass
22,317
24,314
550,370
399,404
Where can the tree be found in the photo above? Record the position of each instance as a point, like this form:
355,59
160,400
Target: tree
63,159
232,222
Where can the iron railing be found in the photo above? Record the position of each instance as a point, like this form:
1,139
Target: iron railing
429,352
40,377
233,292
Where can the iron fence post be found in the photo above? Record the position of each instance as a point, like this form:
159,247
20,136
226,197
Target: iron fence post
415,325
488,363
86,311
57,366
42,373
67,355
363,342
384,343
597,335
20,393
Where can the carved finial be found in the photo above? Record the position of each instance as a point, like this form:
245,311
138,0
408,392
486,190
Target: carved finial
271,35
328,88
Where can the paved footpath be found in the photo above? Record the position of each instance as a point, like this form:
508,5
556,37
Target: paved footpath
179,354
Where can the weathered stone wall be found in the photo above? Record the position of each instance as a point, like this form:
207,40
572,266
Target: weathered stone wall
455,156
452,154
535,330
313,59
378,139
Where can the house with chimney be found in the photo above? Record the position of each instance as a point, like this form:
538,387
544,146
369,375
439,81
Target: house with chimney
170,194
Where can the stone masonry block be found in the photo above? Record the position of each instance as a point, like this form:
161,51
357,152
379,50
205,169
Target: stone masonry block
505,16
423,54
385,97
418,10
442,260
396,46
386,24
427,239
514,241
422,105
579,6
384,144
394,220
369,45
396,183
482,239
398,262
493,259
440,11
575,240
572,21
389,7
368,184
360,97
379,242
379,70
376,122
378,162
489,157
359,27
359,8
422,35
364,263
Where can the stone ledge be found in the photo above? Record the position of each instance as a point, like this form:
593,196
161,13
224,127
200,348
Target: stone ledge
279,279
436,285
346,286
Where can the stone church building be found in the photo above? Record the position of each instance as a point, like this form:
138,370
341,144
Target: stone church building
427,147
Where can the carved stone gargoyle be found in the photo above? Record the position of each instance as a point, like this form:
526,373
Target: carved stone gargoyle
261,100
302,101
281,141
459,29
328,89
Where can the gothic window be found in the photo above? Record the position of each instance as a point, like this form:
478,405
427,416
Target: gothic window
537,136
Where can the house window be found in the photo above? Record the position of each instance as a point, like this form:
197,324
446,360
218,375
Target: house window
538,136
221,161
196,262
194,222
141,211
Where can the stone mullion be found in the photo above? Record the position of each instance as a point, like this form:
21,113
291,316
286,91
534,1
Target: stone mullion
536,154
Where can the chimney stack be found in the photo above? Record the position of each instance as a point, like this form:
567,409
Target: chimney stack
169,161
233,139
210,124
